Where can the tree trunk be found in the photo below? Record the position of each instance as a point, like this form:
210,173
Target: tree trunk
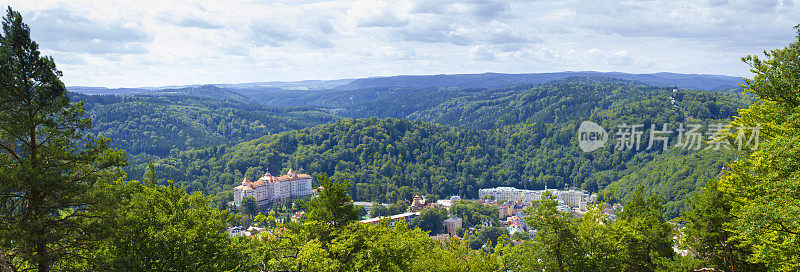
559,259
37,199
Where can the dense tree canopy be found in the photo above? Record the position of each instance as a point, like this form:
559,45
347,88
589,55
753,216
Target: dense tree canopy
47,162
431,220
333,205
156,125
162,228
391,160
763,186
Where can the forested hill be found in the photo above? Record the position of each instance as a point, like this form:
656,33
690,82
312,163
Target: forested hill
573,99
316,92
159,125
498,80
389,159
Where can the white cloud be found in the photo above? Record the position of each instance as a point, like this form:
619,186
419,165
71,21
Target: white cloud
621,57
265,33
723,23
67,31
190,21
153,42
481,53
370,13
489,9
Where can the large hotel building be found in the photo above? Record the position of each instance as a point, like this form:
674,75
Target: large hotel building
270,189
572,198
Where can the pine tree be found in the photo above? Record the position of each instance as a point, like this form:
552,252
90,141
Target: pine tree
646,236
47,164
150,175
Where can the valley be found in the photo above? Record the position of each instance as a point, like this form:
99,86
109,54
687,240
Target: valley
441,140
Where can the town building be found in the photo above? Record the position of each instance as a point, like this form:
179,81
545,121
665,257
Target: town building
418,203
269,189
505,210
515,220
503,194
571,197
514,229
444,203
237,231
452,224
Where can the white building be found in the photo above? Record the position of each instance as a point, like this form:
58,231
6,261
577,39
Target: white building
573,198
270,189
503,194
406,217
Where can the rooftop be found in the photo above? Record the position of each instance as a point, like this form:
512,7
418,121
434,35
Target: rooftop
393,217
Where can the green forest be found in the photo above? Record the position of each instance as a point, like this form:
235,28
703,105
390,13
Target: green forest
391,159
164,124
77,194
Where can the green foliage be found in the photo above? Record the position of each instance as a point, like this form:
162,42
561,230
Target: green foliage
392,159
647,237
486,236
395,102
554,230
333,206
576,99
599,244
474,213
639,241
431,198
763,185
777,78
520,236
361,211
155,125
249,206
708,237
430,220
47,163
379,210
162,228
330,240
353,247
64,206
673,175
150,175
398,207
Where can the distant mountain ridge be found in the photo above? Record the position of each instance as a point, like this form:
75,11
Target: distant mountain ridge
485,80
496,80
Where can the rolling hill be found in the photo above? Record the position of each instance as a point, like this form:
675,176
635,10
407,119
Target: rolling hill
520,136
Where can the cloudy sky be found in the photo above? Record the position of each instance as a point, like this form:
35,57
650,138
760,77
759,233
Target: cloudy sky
150,43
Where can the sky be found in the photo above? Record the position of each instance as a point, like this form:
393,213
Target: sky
160,43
